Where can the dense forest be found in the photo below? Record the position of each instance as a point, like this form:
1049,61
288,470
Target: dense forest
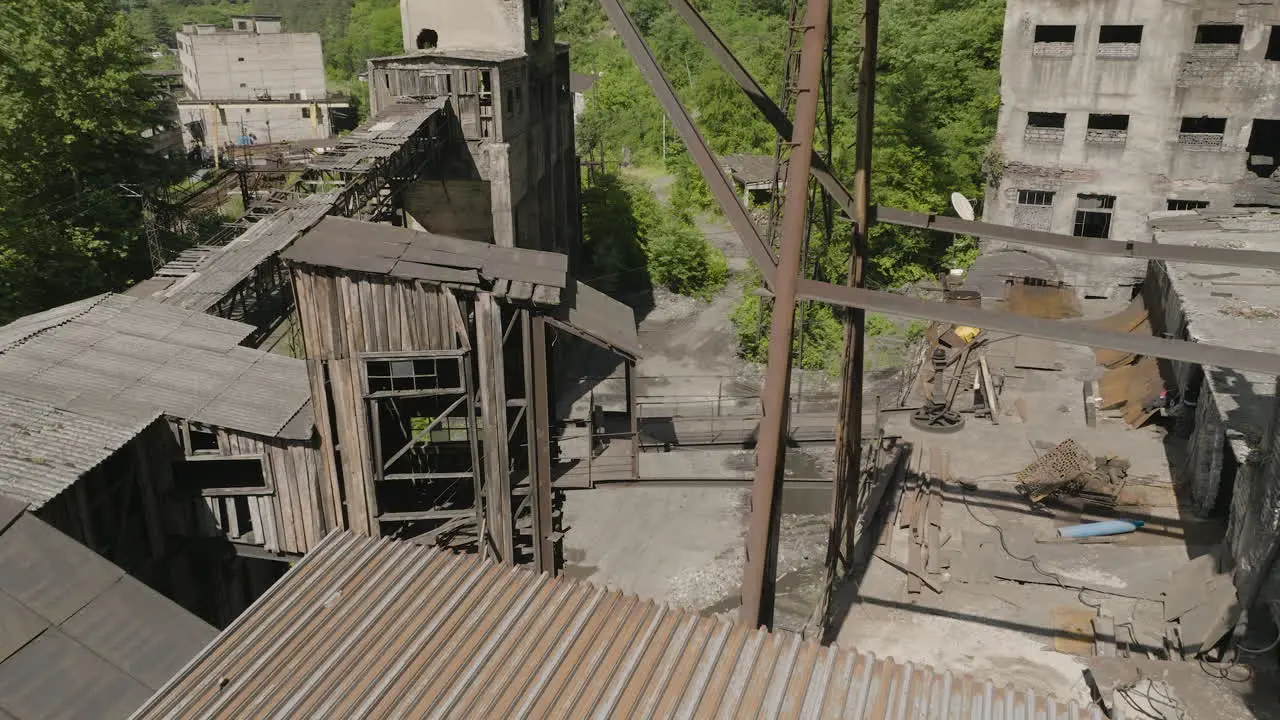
67,228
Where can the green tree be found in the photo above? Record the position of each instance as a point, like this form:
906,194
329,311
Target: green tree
73,103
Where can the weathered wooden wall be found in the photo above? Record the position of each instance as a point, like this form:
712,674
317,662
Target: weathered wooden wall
345,315
120,508
286,519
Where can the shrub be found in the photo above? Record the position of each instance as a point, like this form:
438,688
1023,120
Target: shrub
681,260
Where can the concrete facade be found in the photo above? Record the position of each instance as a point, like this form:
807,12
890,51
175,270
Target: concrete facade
514,108
1152,104
251,60
1227,427
249,122
251,84
503,25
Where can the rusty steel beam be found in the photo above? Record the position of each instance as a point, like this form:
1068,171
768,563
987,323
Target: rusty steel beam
1086,245
701,153
760,572
848,491
765,104
1071,332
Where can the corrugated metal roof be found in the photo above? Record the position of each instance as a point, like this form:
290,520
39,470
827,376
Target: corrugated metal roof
382,249
225,268
130,353
377,628
44,450
78,637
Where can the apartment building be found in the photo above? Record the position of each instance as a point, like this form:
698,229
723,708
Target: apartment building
252,83
508,85
1113,109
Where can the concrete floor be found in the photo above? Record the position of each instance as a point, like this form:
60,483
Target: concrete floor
683,545
1029,631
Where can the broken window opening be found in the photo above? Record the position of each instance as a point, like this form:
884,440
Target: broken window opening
1108,122
1105,129
1039,198
1172,204
306,113
1203,125
1219,34
413,376
1109,34
1055,33
223,475
1048,120
1264,147
1093,215
486,82
427,39
1273,44
201,440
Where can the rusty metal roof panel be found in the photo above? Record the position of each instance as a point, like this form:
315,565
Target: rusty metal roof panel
378,628
80,638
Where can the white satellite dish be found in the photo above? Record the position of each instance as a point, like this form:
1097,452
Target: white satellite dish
963,207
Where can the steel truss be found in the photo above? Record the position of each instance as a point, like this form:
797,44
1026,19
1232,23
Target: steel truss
759,578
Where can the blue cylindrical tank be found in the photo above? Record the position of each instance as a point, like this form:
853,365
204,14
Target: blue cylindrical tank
1096,529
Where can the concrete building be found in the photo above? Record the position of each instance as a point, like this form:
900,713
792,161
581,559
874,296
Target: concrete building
508,83
1228,424
252,83
1113,110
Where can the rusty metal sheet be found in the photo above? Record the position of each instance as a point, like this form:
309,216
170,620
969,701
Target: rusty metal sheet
379,628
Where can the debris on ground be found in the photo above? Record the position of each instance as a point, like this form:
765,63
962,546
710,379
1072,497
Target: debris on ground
1069,469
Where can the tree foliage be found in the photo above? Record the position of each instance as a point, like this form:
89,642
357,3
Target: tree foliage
73,105
936,106
630,241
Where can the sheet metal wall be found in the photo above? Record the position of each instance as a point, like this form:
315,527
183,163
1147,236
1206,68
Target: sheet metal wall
344,315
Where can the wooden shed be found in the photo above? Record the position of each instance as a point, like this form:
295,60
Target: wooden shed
151,435
430,378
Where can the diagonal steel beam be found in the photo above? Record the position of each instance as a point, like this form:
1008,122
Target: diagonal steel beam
721,190
1072,332
1085,245
778,119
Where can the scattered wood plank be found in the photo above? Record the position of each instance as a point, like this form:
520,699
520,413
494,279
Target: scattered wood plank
933,530
919,578
989,390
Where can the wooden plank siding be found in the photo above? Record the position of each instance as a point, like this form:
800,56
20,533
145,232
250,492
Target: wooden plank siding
345,315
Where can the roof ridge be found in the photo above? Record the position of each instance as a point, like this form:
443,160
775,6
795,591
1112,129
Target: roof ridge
42,329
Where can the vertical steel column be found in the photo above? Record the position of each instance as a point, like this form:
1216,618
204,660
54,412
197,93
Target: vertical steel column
540,475
633,417
849,432
760,572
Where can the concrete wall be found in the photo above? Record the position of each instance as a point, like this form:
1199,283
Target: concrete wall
221,124
471,24
1156,83
526,26
226,65
519,137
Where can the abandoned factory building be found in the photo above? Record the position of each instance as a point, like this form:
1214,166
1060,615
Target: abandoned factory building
509,85
1112,111
251,84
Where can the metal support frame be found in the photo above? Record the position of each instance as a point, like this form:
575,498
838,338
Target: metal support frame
848,490
858,298
767,107
1077,333
760,572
